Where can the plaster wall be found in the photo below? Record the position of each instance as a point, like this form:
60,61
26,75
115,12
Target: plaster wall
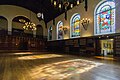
3,24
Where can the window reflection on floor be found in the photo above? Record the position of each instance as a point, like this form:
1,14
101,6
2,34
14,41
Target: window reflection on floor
62,70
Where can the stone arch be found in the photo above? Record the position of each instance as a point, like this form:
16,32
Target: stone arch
15,11
39,31
3,24
17,24
42,23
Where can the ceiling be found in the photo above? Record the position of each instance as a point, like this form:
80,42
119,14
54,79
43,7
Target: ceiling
45,6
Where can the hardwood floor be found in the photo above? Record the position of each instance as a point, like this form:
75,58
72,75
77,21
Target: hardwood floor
50,66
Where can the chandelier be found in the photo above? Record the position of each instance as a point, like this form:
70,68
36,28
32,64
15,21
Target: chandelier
29,25
65,4
68,4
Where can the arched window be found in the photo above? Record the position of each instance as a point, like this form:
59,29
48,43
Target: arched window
75,26
50,33
60,30
105,18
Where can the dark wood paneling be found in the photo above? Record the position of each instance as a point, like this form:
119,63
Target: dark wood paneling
80,46
21,43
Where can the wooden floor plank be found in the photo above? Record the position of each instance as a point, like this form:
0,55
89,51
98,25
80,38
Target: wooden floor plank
29,67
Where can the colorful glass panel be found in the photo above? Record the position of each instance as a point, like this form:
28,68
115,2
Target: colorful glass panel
60,30
75,25
105,17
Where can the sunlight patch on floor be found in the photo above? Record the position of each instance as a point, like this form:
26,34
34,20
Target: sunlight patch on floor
20,53
106,58
41,56
62,70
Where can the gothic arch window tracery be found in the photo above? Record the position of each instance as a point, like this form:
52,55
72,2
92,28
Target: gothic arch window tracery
105,18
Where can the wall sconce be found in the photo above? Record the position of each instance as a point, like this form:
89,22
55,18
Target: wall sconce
65,29
85,23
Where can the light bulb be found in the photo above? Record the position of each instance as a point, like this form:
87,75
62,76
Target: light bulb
71,5
83,18
60,6
55,3
78,2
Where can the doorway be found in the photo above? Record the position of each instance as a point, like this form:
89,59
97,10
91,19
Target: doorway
107,47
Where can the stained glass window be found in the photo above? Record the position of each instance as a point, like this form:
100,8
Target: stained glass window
50,33
60,30
75,26
105,18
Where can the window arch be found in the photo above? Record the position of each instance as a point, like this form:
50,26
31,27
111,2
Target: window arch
60,30
75,26
50,33
104,18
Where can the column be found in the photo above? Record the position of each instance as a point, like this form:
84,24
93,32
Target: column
34,33
9,27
